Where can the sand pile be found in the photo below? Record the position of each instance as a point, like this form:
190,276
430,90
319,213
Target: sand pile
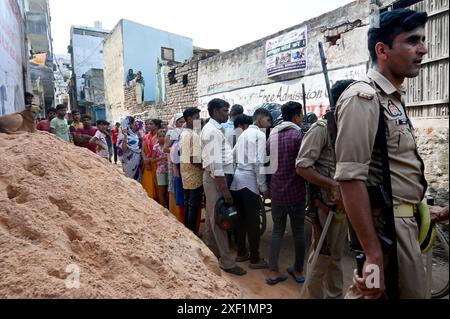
61,205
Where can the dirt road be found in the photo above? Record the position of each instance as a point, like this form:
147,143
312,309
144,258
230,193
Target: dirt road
253,284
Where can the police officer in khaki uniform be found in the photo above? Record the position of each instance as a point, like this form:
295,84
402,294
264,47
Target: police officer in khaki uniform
316,164
397,48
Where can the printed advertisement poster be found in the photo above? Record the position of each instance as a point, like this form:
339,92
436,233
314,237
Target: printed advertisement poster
287,53
39,58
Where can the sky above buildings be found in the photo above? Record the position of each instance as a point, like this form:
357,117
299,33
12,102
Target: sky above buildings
212,24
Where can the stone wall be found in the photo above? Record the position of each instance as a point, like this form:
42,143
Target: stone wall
433,144
183,93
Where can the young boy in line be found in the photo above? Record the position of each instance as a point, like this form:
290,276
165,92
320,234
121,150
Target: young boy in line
100,139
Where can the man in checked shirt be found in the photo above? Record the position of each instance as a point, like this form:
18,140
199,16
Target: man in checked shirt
287,192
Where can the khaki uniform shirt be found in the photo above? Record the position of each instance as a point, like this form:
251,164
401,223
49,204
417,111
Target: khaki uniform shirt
357,117
316,150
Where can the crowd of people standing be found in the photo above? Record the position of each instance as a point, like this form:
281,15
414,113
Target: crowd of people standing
233,170
99,139
241,160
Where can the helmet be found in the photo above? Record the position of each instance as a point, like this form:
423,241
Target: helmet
273,108
311,118
225,216
308,121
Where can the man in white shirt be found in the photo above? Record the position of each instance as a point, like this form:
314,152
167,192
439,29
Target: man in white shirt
241,123
248,184
217,159
230,133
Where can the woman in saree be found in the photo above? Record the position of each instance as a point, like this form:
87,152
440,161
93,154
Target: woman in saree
149,181
130,148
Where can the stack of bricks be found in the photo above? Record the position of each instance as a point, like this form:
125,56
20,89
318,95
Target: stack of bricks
130,98
178,96
130,104
183,93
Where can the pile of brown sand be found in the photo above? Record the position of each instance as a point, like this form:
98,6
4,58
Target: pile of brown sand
61,205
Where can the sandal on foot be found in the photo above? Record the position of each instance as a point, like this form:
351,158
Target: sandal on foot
241,259
238,271
262,264
299,279
280,278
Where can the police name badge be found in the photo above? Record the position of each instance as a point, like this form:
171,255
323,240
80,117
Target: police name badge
393,109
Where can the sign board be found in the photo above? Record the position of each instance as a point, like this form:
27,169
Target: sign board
287,53
39,58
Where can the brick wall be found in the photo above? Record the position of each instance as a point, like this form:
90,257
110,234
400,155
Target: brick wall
183,93
130,103
179,95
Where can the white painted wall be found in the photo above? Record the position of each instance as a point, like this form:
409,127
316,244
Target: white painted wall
11,58
114,74
87,54
282,92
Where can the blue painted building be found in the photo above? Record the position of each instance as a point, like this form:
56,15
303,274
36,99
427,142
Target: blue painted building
135,46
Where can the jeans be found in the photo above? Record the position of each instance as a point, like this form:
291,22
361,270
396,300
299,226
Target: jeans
296,214
115,153
248,205
192,203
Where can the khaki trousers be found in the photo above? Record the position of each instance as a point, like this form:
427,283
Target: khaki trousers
325,281
411,269
212,193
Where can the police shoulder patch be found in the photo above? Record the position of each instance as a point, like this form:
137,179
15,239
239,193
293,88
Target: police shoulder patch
321,123
366,96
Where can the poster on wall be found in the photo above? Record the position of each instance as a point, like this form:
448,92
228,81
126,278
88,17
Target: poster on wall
39,58
287,53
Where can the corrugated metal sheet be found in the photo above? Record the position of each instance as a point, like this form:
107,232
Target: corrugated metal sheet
428,94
